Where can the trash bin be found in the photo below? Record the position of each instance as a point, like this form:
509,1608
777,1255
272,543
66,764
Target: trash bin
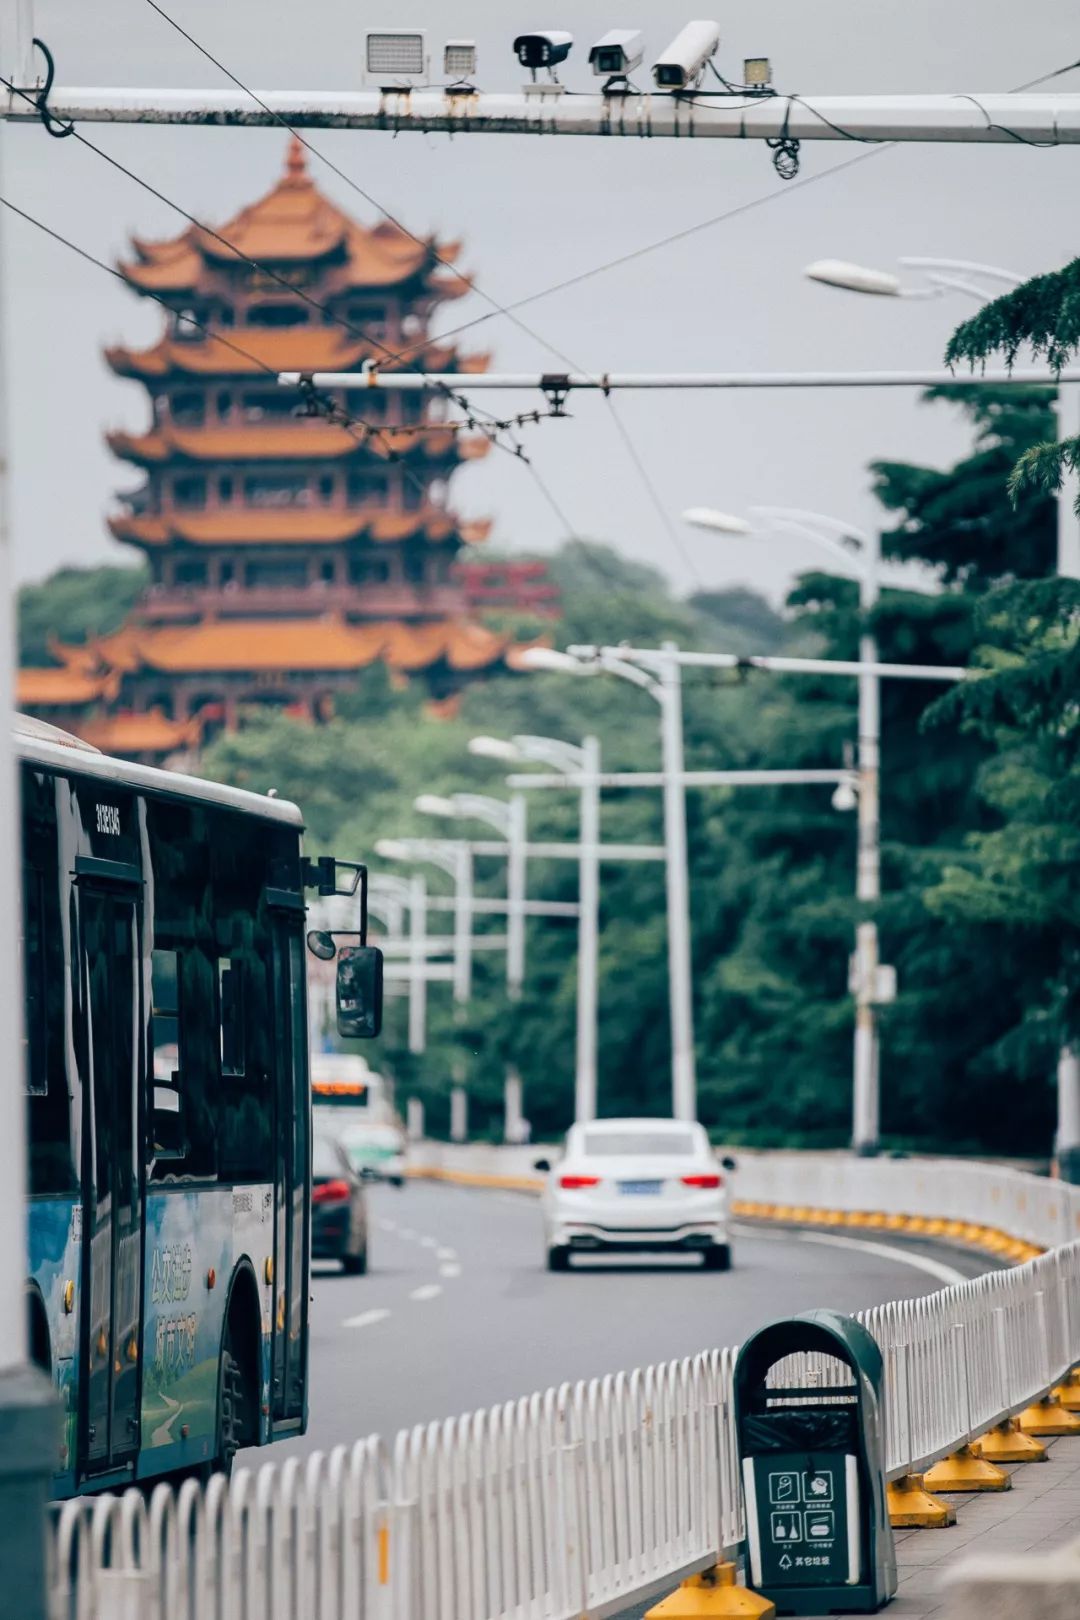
812,1459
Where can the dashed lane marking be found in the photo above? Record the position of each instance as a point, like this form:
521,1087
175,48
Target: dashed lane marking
450,1268
428,1243
446,1254
407,1233
428,1291
365,1319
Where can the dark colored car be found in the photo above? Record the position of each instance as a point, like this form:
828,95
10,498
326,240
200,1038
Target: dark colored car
338,1208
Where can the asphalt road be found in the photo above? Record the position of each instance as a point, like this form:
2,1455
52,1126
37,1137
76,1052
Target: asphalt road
457,1311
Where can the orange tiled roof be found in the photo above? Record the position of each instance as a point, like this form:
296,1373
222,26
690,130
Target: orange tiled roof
293,224
296,526
149,733
328,643
304,348
301,440
62,688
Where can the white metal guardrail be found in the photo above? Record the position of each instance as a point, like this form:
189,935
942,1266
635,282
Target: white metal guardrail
586,1498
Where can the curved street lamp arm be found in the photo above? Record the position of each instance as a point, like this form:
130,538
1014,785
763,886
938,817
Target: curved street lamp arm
550,751
481,807
922,262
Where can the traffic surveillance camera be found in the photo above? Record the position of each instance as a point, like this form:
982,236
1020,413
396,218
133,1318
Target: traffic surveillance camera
544,49
617,54
682,64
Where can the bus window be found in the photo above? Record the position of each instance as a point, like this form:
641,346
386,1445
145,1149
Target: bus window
182,1136
231,1014
165,1028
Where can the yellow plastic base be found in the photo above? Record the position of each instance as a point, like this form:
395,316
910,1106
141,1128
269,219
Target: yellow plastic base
1049,1417
964,1471
1068,1394
715,1592
912,1507
1009,1444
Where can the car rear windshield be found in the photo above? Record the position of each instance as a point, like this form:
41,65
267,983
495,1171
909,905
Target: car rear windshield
612,1144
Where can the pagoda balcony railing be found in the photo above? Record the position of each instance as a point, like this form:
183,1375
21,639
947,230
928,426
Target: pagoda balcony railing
382,600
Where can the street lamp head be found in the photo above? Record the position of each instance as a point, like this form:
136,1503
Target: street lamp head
434,804
392,849
704,517
845,798
495,748
550,660
854,278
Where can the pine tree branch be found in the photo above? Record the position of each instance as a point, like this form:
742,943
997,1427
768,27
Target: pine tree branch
1044,313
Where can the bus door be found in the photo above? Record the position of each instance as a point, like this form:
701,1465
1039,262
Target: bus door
292,1177
112,1236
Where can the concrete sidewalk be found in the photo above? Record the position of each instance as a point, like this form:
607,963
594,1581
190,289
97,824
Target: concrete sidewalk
1040,1514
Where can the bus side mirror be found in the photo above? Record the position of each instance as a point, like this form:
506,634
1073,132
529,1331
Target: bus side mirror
359,991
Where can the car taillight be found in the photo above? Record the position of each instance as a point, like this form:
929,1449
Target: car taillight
330,1192
703,1181
572,1183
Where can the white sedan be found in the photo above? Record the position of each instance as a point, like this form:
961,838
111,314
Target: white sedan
646,1185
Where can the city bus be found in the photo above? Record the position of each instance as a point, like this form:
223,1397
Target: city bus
168,1105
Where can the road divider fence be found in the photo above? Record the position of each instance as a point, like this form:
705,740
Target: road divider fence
587,1498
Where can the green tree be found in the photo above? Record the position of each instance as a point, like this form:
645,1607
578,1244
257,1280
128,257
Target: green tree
72,604
1044,314
959,520
1015,887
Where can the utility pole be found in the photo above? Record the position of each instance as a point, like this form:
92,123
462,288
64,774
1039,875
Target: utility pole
866,1109
585,1068
680,970
29,1411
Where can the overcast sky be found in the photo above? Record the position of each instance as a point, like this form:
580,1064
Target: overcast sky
532,212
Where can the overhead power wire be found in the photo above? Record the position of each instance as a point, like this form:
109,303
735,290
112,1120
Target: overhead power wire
497,308
110,270
216,235
785,158
736,212
666,520
368,198
373,202
325,406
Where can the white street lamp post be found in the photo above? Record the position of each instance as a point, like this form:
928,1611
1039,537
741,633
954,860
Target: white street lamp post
411,894
866,564
962,275
509,819
662,679
582,767
454,856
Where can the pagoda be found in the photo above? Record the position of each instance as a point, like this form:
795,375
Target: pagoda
286,552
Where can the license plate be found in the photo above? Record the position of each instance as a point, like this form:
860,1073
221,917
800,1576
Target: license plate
646,1188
